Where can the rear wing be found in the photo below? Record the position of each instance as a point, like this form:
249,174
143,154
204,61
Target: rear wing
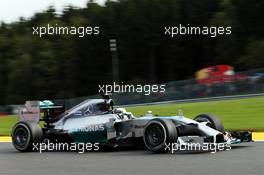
30,111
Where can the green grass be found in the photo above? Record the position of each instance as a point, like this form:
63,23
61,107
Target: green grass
237,114
6,124
240,114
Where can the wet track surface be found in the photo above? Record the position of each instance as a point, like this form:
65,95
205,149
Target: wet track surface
243,159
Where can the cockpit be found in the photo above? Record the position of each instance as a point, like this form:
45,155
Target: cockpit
92,107
98,108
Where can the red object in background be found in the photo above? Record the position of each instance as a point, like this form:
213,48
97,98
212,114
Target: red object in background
217,74
3,113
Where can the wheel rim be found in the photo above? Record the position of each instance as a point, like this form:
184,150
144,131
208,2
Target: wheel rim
20,136
154,135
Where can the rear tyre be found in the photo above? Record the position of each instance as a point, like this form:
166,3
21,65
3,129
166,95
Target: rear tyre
213,122
158,133
25,134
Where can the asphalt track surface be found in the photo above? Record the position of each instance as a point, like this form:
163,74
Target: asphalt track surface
243,159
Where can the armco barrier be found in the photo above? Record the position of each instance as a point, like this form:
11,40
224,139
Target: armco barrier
186,90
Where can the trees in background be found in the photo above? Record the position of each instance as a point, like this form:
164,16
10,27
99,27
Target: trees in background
67,66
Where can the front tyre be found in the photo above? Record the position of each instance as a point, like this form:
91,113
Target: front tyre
158,133
213,122
24,134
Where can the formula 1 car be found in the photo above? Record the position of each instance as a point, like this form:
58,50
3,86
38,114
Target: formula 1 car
97,121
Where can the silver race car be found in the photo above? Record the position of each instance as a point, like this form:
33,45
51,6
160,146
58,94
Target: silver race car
97,121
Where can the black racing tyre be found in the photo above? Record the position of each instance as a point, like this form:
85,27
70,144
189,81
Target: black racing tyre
24,134
213,122
159,132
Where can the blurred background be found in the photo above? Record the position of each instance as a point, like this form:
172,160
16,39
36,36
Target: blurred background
65,66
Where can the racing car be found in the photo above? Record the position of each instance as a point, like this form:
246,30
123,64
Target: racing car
98,121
